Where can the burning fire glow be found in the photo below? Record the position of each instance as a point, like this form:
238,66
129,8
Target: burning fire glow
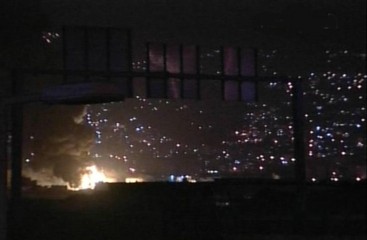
90,177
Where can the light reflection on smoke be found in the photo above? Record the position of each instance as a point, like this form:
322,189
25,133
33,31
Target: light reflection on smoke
44,177
59,147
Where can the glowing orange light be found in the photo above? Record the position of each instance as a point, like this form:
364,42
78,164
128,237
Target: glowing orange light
90,177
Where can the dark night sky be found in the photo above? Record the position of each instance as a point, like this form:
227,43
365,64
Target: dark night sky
302,29
294,26
219,21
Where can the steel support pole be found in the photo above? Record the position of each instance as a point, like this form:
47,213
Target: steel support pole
16,141
298,128
16,152
16,127
3,173
299,154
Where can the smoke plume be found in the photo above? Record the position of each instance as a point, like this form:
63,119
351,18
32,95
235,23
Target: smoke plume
56,142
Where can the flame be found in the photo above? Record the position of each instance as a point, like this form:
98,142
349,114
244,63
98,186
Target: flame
90,177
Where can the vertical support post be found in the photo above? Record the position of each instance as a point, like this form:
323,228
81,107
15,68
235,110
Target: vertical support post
147,79
165,70
86,52
197,55
181,70
15,156
64,54
222,81
108,51
256,74
3,173
130,63
239,65
17,140
299,154
298,128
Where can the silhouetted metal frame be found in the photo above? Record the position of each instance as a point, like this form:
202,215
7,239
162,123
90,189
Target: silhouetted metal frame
297,112
296,83
107,35
147,79
181,71
198,64
297,102
16,139
165,86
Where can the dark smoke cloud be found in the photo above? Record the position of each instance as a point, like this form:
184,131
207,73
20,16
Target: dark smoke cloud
57,141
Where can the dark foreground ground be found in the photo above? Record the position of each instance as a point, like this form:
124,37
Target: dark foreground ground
220,210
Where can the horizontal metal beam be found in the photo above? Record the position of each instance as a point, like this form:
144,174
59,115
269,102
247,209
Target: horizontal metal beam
162,75
20,99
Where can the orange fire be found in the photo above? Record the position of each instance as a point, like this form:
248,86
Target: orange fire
90,177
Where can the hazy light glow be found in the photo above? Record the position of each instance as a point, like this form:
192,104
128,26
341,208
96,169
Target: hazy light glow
90,177
133,180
